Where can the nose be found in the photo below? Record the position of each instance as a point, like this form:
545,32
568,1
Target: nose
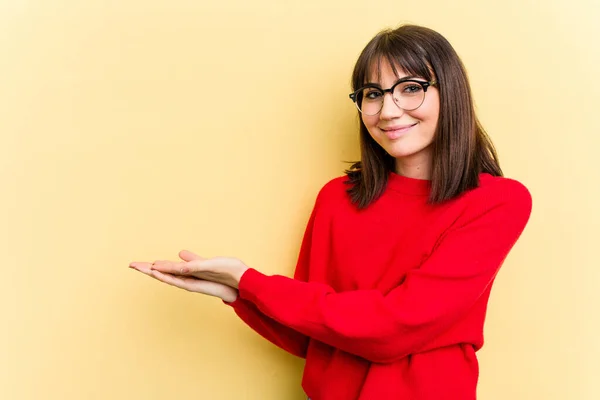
389,108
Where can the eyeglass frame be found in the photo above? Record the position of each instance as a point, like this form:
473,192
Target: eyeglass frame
424,84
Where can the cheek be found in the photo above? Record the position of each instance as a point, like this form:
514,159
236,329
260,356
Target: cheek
431,109
370,122
427,113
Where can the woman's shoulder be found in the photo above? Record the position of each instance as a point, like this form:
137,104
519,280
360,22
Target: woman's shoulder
492,191
334,189
488,184
498,191
502,187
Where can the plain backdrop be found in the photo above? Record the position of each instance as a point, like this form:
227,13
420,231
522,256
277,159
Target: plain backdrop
133,129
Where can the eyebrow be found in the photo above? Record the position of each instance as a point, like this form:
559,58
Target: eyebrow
401,79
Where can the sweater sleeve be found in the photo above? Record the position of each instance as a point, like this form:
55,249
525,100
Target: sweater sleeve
277,333
431,299
280,335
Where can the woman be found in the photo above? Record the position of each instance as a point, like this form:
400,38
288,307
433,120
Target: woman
390,291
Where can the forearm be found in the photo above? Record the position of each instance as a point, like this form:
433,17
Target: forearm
280,335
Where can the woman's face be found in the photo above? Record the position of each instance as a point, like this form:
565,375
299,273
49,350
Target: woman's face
405,135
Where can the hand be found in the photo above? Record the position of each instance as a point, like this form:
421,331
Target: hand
169,272
224,270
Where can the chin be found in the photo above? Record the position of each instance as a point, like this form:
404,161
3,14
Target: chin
397,150
401,152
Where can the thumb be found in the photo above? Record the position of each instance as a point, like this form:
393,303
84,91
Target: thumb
189,256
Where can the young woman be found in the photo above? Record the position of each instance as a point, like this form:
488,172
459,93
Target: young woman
390,291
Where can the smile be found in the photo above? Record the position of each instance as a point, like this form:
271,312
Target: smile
395,132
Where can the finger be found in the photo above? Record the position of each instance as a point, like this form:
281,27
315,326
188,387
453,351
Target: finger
170,267
188,283
212,269
146,267
163,264
187,255
181,282
214,264
137,265
144,270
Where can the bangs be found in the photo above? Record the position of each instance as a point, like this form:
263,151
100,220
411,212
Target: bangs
400,53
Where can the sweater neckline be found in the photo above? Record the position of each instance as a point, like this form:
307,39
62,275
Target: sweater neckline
404,184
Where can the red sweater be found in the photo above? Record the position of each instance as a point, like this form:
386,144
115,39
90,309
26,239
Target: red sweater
389,302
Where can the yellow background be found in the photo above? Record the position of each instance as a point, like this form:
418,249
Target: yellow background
133,129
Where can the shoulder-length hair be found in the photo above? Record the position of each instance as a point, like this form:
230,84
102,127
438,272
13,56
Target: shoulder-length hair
461,147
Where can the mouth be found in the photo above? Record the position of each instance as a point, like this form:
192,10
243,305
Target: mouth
395,132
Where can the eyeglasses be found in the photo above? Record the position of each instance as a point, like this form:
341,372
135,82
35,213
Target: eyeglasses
408,94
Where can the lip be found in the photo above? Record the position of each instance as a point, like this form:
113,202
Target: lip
394,132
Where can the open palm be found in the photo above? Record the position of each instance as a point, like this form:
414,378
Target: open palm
187,282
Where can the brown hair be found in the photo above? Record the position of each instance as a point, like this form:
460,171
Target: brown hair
461,148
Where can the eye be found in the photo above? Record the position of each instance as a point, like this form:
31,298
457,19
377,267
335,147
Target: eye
411,88
372,94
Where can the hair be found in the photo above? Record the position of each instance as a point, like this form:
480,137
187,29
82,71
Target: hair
461,148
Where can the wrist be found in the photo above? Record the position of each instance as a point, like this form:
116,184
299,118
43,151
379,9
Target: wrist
237,276
229,296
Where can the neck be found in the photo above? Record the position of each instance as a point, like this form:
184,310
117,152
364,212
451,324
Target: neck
417,167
